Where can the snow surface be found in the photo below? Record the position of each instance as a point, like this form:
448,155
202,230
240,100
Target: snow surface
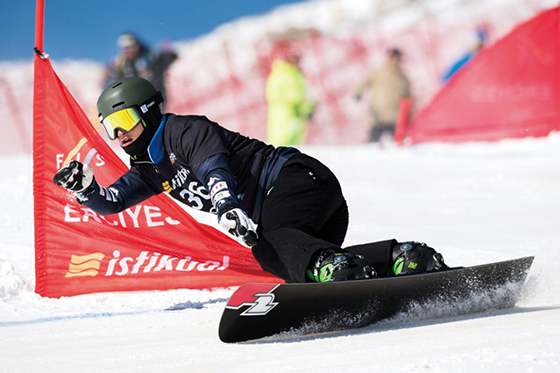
475,203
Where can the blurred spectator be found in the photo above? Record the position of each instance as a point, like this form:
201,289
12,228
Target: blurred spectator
136,59
480,40
289,105
388,85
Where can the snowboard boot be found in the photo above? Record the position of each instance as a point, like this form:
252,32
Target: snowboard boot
328,265
416,257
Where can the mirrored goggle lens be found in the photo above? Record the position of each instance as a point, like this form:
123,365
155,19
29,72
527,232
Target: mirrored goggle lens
124,119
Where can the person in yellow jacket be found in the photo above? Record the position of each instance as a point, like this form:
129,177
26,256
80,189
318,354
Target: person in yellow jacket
289,105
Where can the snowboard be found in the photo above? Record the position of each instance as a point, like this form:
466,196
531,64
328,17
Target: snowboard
257,310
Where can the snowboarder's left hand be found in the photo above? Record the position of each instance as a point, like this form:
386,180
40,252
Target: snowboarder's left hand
237,223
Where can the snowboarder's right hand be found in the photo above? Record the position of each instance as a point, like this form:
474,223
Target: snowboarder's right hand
76,177
237,223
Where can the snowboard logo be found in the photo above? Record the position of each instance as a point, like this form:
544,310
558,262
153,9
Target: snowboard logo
259,298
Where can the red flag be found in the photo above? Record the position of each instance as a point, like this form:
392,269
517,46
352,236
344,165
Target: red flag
510,89
155,245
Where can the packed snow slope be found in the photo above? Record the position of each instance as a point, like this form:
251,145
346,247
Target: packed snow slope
475,203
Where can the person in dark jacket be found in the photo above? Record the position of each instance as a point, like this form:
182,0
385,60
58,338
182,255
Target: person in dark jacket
287,206
136,59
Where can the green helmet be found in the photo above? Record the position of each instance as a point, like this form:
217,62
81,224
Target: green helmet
125,93
129,102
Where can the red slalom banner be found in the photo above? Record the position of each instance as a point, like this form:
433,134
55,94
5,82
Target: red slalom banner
155,245
509,90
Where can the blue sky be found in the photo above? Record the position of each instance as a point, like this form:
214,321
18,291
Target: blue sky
87,29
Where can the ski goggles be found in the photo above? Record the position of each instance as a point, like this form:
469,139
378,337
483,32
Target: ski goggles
125,119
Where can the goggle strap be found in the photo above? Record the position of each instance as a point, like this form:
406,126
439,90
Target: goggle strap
157,99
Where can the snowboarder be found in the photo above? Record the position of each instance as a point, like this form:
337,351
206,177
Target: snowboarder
296,201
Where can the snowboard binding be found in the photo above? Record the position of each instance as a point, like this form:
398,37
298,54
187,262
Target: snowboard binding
333,266
416,257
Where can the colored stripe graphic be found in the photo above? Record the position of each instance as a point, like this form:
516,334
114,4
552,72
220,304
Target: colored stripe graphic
74,151
85,265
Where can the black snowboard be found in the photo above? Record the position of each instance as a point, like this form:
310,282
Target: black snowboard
258,310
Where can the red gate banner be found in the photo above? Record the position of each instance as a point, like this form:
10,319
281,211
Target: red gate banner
509,90
155,245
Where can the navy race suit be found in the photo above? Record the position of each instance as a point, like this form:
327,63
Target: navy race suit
296,201
188,157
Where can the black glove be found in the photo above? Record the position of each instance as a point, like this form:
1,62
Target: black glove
77,178
238,224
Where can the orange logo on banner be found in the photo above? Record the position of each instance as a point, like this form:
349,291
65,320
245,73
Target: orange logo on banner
85,265
74,151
